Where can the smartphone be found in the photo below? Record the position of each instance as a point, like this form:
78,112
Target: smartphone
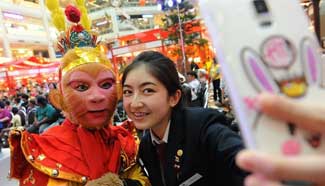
267,45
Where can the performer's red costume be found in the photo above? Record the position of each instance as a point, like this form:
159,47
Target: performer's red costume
85,146
69,153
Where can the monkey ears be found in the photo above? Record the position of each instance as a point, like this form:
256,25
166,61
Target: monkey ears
56,99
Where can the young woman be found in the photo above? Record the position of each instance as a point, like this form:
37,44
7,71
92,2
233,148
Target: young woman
187,146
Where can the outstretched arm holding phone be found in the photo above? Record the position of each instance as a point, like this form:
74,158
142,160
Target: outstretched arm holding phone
270,170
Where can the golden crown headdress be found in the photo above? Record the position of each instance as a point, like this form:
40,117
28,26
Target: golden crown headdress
77,36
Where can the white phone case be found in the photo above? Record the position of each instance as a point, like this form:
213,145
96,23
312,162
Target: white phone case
265,45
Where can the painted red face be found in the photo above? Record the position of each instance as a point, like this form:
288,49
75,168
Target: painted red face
90,97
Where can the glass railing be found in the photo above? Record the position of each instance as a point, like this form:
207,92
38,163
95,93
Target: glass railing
136,24
125,4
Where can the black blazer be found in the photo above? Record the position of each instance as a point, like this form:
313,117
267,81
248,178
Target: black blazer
209,149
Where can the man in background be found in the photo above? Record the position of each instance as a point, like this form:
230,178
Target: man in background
194,84
44,116
216,78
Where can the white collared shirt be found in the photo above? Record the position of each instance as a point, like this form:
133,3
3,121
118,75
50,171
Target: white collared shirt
156,140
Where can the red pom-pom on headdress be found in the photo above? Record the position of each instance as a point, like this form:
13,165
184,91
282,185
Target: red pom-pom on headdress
76,35
72,13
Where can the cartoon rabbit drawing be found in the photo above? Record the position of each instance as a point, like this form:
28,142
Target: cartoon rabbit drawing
295,72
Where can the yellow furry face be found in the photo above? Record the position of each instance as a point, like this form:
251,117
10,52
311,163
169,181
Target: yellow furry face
89,95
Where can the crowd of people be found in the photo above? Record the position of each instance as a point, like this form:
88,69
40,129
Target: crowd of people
199,81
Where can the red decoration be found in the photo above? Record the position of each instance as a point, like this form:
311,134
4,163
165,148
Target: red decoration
142,2
24,82
33,59
77,28
39,79
72,13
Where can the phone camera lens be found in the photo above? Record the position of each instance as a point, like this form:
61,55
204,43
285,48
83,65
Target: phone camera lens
260,6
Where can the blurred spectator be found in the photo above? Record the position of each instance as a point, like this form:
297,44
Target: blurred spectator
16,119
44,117
186,90
5,116
31,110
13,120
17,102
216,78
24,89
202,75
8,104
194,84
24,98
202,93
33,92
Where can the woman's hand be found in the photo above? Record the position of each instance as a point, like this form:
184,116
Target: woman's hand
269,170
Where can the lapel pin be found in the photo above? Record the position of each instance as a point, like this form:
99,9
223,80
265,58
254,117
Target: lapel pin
180,153
177,165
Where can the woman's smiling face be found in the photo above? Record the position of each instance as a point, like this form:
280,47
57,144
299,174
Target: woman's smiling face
146,100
